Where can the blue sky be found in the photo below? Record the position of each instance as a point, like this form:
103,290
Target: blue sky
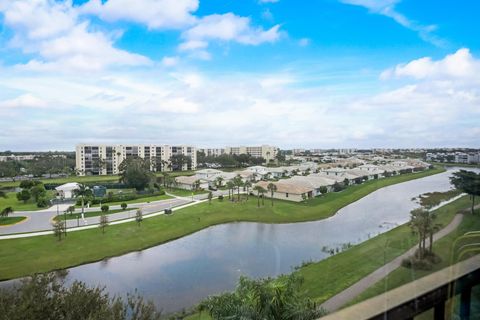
320,73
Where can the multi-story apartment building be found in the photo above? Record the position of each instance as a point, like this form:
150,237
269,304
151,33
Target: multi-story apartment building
265,151
105,159
213,152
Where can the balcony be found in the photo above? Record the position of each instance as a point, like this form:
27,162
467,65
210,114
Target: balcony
447,292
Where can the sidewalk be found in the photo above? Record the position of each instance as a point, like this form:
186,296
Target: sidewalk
342,298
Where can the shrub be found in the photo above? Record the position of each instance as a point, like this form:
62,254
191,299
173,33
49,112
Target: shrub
220,198
42,202
417,264
104,208
124,206
168,211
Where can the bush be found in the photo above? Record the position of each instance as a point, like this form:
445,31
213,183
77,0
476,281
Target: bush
220,198
42,202
168,211
417,264
104,208
124,206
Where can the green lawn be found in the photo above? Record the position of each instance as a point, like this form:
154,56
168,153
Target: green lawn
442,247
139,200
87,214
10,220
185,193
91,179
20,257
12,201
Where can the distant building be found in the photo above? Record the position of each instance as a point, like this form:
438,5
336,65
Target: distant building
105,159
17,158
265,151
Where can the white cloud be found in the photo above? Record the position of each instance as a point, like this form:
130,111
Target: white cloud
155,14
459,65
170,61
227,27
62,42
304,42
24,101
387,8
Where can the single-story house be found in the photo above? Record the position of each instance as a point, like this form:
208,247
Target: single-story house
291,190
66,191
315,182
208,173
188,182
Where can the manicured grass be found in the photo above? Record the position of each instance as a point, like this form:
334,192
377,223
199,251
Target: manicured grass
185,193
10,220
87,214
328,277
91,179
139,200
12,201
442,247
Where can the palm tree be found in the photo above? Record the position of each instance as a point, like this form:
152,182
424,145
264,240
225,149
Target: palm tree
418,221
5,212
83,192
238,182
218,181
247,185
230,187
260,191
272,188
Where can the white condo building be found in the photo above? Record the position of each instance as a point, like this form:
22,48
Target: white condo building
265,151
93,159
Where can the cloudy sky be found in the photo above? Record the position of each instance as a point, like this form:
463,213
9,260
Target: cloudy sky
294,73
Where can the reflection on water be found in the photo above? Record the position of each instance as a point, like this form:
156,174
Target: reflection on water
178,274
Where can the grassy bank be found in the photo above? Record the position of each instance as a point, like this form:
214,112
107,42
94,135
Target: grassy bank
10,220
330,276
19,257
442,247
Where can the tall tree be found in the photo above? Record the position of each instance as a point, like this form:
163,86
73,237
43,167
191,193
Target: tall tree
139,216
135,172
468,182
83,192
238,182
230,186
24,195
210,196
272,188
247,186
260,192
218,182
103,222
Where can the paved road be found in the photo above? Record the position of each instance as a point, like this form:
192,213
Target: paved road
347,295
42,219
